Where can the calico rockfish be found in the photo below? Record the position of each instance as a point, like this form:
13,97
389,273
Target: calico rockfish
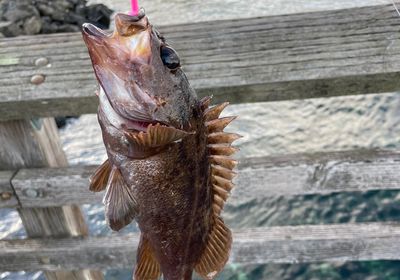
169,164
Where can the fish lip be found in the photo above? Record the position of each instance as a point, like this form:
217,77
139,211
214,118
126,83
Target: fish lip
91,30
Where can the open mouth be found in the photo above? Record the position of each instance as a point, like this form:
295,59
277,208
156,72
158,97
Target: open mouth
150,133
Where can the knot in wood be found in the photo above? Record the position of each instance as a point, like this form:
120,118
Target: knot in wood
37,79
41,61
6,195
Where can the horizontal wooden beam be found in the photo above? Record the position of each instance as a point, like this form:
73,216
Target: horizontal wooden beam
321,54
7,197
298,174
289,244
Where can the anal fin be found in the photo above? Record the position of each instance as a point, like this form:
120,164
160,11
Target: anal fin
147,267
216,253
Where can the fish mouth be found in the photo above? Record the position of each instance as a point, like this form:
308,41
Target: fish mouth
142,139
130,125
117,57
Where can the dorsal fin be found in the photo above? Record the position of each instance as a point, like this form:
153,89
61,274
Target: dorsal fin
218,125
224,161
214,112
205,102
147,267
223,172
98,181
119,201
216,253
222,137
220,150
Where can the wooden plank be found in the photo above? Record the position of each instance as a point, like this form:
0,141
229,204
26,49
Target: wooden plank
7,197
322,54
197,11
35,144
289,244
298,174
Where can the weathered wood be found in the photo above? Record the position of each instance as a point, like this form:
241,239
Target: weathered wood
7,197
289,244
205,10
36,144
298,174
330,53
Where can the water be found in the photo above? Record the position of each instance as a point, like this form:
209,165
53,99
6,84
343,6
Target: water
339,123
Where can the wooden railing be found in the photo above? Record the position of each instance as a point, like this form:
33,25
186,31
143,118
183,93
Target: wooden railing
322,54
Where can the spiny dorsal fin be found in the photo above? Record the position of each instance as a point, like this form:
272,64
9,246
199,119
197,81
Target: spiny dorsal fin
222,137
205,102
216,253
218,125
147,267
120,204
223,172
98,181
223,161
214,112
220,150
222,182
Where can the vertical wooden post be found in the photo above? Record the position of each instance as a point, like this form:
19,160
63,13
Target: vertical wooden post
35,143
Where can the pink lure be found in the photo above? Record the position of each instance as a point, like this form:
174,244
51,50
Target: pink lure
135,8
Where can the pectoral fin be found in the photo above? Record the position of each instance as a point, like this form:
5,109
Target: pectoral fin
120,204
154,140
216,253
147,267
98,181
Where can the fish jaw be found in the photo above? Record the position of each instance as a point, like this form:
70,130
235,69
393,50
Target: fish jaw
118,58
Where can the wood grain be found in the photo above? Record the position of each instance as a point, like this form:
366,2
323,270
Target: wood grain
289,244
35,143
321,54
298,174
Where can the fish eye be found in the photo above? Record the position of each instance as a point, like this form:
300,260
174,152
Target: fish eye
170,58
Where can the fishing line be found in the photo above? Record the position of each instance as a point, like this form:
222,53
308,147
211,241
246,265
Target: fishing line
397,10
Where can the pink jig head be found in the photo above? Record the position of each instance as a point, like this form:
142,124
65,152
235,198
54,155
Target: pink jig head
135,8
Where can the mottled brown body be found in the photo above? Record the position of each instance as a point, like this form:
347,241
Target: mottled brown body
174,202
168,161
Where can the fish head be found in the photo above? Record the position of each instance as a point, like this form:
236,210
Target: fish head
141,81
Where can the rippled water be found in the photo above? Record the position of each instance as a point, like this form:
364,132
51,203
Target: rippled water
338,123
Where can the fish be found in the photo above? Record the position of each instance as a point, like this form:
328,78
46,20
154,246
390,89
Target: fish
169,161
